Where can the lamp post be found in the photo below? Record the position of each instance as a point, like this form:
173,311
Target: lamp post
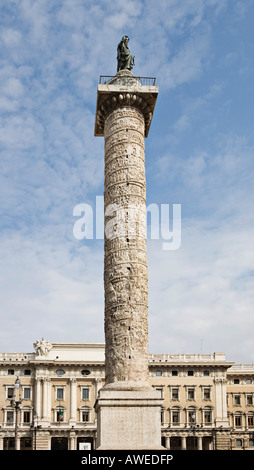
15,402
214,434
35,426
7,440
193,428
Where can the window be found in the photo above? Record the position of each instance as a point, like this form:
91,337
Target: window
10,392
161,391
250,421
60,372
59,393
9,417
175,417
191,416
249,400
85,372
190,393
174,373
207,416
27,393
175,394
248,381
10,371
238,442
85,416
206,372
237,400
158,372
190,373
251,442
59,415
207,393
26,416
236,381
238,420
85,393
27,372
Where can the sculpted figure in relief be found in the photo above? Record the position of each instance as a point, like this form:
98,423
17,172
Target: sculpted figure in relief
42,347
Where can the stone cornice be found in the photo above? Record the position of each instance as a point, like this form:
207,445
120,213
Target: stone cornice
119,93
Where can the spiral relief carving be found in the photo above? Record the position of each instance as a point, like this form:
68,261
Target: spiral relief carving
125,266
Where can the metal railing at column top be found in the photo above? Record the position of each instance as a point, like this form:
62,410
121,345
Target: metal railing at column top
145,81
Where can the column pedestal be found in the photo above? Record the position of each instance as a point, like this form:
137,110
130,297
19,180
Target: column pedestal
122,414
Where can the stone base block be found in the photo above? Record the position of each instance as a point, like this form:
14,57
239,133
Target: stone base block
128,420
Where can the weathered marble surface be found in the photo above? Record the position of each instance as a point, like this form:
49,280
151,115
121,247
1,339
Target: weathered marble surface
125,273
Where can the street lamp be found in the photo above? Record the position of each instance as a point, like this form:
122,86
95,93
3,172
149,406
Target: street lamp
214,434
35,427
15,402
7,440
193,428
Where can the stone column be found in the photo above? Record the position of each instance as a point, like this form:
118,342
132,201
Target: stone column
123,116
183,443
167,442
221,418
46,408
73,400
72,441
199,442
38,397
45,398
125,267
49,401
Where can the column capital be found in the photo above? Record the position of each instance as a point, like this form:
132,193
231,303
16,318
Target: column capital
124,90
220,380
73,380
46,379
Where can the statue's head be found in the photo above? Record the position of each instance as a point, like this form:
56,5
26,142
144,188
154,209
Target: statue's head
125,38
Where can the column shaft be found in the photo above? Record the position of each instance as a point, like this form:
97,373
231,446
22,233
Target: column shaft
73,400
125,266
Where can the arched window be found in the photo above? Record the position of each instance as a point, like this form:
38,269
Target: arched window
238,420
85,414
207,415
191,415
26,415
250,419
175,415
59,414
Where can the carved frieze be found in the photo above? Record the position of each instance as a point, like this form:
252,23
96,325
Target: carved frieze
125,265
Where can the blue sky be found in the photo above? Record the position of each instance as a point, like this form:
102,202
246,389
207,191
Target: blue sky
199,153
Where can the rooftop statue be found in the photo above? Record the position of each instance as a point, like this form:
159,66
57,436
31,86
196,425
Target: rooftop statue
42,347
124,58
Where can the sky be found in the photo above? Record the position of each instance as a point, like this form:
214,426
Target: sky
199,155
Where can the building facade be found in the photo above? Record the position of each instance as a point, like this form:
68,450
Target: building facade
208,403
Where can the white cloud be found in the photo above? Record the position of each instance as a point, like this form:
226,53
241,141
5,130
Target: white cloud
51,59
47,291
204,291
